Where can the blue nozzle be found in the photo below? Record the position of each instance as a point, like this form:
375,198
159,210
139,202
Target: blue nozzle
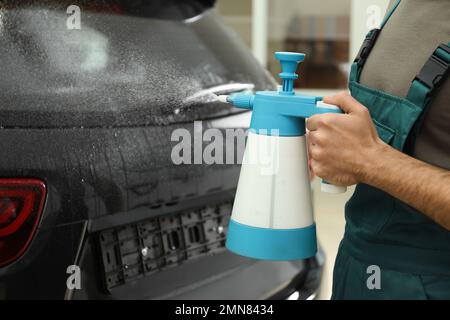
289,62
241,100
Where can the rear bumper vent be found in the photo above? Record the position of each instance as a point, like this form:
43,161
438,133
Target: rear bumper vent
137,250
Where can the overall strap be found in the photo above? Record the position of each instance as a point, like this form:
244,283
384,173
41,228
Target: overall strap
425,85
389,14
368,44
431,77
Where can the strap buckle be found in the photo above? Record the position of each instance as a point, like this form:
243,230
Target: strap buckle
435,70
367,46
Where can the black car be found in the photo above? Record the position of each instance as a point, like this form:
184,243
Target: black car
86,178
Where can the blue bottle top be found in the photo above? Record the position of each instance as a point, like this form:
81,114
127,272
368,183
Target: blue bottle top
283,112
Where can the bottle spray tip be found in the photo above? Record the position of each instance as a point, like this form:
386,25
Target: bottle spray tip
223,99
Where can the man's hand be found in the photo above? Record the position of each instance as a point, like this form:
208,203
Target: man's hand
345,149
342,145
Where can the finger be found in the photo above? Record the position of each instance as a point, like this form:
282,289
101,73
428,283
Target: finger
315,168
345,101
310,138
315,152
308,152
312,175
322,120
313,123
314,138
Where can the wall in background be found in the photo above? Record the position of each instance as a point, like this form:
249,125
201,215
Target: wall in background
318,28
330,32
238,15
283,12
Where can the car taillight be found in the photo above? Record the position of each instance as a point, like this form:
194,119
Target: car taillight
21,205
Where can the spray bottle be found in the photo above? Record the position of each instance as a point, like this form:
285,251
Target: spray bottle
272,215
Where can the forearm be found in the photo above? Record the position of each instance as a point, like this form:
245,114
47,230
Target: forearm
418,184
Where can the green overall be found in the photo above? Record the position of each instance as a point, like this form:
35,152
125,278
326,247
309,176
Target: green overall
385,237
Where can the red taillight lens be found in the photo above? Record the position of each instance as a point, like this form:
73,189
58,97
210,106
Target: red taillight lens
21,205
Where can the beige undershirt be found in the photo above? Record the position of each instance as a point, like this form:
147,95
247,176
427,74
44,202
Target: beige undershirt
411,35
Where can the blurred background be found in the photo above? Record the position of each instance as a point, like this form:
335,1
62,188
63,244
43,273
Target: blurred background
330,33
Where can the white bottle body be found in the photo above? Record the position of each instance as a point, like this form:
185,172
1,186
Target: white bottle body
274,188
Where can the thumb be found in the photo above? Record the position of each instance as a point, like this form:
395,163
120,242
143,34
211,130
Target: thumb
344,101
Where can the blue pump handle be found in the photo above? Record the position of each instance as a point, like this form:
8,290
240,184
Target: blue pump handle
282,110
298,106
289,62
